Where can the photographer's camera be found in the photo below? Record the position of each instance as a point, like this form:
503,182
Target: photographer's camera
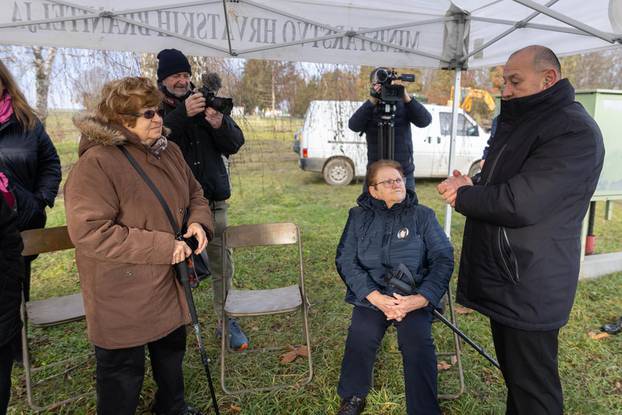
211,84
388,92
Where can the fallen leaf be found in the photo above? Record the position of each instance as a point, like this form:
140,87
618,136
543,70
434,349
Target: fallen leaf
462,310
443,365
288,357
294,352
235,409
302,351
618,387
454,359
596,335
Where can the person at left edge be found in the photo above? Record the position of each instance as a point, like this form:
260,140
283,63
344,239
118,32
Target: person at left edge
11,272
126,247
28,159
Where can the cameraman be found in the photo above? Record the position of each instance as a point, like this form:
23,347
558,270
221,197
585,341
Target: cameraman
207,138
366,118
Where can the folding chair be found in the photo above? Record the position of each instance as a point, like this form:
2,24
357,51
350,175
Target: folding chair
261,302
48,312
455,353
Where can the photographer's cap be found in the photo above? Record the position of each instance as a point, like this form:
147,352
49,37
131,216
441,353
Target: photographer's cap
170,62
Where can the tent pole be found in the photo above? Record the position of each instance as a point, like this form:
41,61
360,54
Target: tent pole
224,7
452,143
607,37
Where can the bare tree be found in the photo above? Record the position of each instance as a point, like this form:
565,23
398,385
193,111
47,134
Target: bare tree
43,59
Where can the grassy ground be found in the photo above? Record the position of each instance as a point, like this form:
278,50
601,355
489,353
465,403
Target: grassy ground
269,187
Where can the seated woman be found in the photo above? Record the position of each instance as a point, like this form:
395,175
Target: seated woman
126,247
388,229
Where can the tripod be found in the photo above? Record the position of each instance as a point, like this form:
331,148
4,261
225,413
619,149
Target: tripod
182,271
386,130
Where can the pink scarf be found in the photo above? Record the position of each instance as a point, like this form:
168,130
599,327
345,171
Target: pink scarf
6,108
5,192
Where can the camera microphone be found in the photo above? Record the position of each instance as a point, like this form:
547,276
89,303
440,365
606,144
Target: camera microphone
211,84
211,81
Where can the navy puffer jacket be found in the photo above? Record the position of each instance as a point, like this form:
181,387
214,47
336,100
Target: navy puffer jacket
376,239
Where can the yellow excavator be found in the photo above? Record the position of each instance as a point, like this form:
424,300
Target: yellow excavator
469,95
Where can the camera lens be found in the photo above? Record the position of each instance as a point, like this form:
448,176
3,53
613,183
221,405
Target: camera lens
381,75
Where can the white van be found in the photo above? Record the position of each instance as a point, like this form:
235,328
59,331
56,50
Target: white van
326,145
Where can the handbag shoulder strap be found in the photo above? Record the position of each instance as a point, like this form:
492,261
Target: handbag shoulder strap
153,188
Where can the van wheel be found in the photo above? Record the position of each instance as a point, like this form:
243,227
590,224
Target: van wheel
338,172
475,168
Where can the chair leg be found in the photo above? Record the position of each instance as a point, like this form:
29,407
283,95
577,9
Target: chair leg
28,370
457,351
308,379
305,319
26,356
223,350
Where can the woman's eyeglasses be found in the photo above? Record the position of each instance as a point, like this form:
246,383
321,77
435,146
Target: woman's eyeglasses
390,182
148,114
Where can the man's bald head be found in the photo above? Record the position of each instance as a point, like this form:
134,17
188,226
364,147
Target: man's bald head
529,71
542,57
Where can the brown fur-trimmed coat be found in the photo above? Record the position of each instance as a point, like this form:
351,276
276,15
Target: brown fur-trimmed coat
124,241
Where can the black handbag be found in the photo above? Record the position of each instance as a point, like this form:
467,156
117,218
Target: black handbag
198,264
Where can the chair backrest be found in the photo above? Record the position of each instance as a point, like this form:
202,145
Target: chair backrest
261,235
39,241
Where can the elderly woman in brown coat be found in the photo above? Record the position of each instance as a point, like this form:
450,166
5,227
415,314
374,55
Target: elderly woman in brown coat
126,248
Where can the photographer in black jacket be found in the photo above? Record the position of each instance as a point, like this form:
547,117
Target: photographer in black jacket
521,246
207,138
366,118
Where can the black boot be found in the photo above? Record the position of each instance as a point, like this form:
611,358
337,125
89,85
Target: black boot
192,411
352,406
188,411
613,328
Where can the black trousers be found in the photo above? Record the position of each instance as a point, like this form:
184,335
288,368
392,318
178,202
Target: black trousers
414,335
528,360
6,365
120,374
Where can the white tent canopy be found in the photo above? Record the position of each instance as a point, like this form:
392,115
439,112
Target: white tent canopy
400,33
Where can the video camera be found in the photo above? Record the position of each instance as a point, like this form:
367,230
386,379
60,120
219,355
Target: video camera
400,280
211,84
388,92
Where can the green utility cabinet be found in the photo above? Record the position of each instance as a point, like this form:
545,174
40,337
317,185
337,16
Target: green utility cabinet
606,108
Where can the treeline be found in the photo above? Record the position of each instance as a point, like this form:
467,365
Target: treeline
261,85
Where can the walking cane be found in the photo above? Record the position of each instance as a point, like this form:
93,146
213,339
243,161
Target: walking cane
182,271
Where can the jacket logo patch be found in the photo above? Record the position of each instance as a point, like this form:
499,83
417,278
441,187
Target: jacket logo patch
402,233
